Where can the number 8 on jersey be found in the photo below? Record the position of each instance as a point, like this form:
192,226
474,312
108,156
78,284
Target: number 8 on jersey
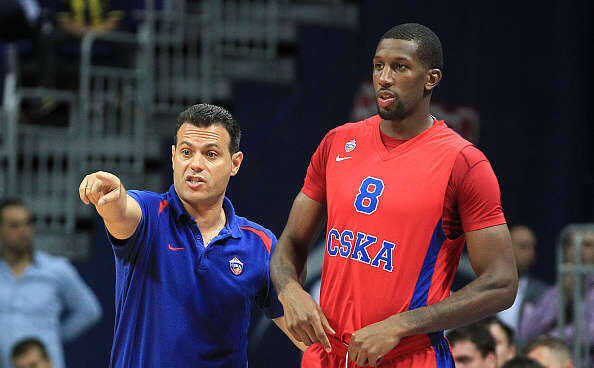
369,192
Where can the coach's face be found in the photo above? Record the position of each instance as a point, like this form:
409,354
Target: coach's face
400,79
203,164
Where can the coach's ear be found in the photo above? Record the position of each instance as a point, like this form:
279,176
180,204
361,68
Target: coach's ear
432,79
236,160
172,156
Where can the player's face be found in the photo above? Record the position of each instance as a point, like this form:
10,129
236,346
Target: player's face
16,229
203,164
503,350
399,78
545,357
466,355
32,359
524,243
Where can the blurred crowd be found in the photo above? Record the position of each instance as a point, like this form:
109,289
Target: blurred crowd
48,36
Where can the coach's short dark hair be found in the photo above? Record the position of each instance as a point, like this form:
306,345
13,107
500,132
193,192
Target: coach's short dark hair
493,320
10,202
557,347
522,362
24,346
429,48
477,334
205,115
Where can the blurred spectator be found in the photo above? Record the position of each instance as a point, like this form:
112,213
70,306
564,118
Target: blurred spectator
18,19
542,318
472,347
504,339
37,290
522,362
549,351
530,289
30,353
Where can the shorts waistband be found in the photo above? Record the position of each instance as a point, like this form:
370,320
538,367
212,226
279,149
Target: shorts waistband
408,345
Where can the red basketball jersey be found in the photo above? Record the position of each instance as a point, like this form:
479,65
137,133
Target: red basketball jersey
386,251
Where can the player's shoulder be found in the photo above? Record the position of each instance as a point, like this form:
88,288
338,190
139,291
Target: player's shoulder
448,136
472,155
351,129
256,233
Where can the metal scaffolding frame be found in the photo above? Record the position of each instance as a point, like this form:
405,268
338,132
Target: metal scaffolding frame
582,341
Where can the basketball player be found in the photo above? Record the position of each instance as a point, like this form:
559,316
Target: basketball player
402,193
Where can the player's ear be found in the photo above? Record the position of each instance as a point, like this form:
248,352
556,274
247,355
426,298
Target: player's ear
432,79
236,160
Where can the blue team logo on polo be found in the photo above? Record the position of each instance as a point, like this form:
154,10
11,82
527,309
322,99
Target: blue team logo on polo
350,145
236,266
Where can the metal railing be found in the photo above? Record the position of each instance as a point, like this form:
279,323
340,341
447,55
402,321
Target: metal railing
581,272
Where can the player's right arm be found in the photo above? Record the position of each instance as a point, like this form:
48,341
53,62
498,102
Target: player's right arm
120,212
304,317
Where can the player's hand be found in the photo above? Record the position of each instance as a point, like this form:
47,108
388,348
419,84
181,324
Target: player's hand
304,317
369,344
100,188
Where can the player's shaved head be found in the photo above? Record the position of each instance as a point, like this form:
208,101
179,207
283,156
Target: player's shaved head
429,49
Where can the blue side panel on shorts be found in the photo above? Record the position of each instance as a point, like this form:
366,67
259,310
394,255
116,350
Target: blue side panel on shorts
443,355
419,298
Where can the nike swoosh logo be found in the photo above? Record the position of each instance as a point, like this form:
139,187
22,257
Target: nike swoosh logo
172,248
338,158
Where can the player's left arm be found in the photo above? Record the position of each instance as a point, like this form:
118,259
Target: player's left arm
282,324
494,289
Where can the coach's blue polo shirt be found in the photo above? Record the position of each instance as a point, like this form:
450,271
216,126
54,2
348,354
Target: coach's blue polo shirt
181,304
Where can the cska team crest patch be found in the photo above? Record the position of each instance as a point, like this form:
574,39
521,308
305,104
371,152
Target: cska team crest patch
236,266
350,145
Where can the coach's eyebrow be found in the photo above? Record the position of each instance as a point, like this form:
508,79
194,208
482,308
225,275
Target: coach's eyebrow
186,143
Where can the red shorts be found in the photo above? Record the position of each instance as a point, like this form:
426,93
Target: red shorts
436,356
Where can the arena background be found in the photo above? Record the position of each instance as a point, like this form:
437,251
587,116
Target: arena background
523,68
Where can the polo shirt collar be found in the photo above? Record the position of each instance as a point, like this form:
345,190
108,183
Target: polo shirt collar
231,225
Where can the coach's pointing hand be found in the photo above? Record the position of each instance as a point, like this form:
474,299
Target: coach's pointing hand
304,317
100,188
106,192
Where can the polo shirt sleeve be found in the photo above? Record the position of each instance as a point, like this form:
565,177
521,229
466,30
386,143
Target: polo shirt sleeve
128,249
267,298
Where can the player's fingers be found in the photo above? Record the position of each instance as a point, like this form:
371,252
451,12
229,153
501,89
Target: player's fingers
296,332
353,357
321,334
362,360
81,190
310,332
374,361
114,195
325,322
